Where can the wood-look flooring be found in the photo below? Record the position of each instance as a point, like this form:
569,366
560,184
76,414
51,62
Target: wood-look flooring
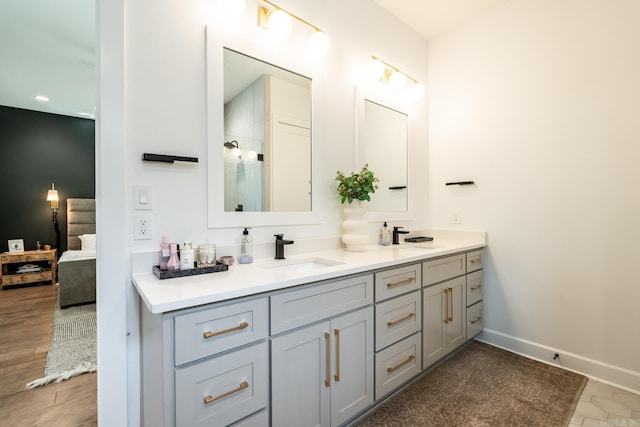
26,328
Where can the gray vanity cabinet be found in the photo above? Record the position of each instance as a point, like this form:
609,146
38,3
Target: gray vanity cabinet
322,362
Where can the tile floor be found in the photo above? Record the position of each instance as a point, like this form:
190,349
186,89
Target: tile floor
602,405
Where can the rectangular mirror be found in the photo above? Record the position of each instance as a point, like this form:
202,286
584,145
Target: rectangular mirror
267,137
259,136
383,126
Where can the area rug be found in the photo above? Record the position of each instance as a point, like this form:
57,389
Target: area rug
73,347
482,385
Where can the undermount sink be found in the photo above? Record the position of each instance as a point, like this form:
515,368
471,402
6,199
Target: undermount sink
424,246
299,265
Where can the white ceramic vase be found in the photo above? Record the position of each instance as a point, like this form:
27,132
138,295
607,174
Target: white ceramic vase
355,227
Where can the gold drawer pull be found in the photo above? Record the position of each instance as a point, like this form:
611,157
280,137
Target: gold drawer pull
209,334
450,305
337,334
208,399
395,322
446,305
327,378
477,319
474,260
401,282
393,368
473,288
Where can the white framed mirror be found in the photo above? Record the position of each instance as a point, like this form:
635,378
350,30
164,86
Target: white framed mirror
384,130
237,195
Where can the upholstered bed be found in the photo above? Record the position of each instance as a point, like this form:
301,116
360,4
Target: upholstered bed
77,265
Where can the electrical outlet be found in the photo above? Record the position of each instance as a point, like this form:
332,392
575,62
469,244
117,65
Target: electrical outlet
142,227
456,217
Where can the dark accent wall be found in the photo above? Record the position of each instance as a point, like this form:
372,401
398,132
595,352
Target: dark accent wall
37,149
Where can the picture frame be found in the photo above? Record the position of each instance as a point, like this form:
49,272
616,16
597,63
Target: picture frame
16,245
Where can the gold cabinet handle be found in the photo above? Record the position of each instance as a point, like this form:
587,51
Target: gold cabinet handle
473,288
474,260
208,399
446,305
337,334
477,319
327,340
210,334
401,364
395,322
401,282
451,304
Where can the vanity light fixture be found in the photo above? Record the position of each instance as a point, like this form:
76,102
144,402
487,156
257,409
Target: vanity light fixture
395,78
279,22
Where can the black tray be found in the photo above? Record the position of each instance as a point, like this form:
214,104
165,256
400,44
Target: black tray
418,239
162,274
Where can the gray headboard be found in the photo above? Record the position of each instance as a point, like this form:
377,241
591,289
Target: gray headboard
81,219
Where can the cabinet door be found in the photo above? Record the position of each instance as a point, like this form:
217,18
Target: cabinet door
456,331
299,388
433,326
352,383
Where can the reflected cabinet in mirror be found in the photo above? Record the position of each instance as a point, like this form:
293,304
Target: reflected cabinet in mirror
267,137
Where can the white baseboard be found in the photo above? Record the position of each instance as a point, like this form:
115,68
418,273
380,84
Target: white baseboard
597,370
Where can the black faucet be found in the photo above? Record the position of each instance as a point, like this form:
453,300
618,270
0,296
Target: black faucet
280,245
396,231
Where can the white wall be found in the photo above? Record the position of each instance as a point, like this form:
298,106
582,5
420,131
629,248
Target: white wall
537,101
154,100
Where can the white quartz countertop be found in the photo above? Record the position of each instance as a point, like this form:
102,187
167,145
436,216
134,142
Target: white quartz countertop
243,280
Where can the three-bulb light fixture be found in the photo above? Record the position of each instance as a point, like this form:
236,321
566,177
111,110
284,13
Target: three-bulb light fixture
279,23
396,80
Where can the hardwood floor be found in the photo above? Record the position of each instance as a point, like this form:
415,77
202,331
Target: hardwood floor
26,328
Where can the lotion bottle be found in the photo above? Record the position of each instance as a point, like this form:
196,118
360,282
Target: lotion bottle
186,256
165,252
174,263
385,235
246,248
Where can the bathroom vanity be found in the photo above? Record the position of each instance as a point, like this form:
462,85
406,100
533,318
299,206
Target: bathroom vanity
318,339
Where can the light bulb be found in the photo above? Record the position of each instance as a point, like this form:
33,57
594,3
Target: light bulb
237,152
375,69
280,24
252,154
397,81
416,91
232,9
318,44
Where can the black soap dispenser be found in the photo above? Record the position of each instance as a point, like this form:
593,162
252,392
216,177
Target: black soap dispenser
246,248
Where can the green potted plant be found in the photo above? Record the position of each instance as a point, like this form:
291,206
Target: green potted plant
356,187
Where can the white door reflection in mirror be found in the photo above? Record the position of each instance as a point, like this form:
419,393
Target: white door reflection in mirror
385,140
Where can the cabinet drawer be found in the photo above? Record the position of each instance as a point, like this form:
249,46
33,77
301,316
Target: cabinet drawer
397,364
297,308
474,320
440,269
474,287
398,281
206,332
224,389
397,319
474,261
261,419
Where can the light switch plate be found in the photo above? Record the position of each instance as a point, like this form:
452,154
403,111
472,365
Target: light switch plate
142,197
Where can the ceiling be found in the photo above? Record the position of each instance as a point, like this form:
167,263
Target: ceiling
47,47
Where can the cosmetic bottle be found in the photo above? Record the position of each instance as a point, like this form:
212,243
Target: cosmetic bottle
186,256
385,235
246,248
174,263
165,252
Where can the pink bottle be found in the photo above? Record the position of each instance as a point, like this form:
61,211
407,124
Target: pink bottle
165,252
174,263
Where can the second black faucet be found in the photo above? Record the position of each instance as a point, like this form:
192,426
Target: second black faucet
280,242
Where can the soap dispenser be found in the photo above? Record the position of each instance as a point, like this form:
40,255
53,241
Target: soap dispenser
246,248
385,235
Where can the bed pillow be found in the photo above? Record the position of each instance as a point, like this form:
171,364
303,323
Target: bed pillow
88,242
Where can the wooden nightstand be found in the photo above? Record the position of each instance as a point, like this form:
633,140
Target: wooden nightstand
12,261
